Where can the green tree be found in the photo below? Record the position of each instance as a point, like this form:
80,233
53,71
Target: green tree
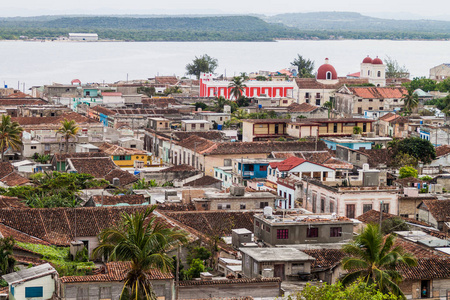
407,171
201,105
220,102
237,87
357,130
411,101
358,290
43,158
416,147
202,64
197,266
10,135
373,258
444,85
68,129
148,91
143,241
393,224
142,184
422,83
329,106
7,261
394,70
305,66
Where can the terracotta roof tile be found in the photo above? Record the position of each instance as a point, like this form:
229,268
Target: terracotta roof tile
373,216
98,167
378,92
103,110
118,150
114,200
304,107
11,202
57,226
325,258
179,168
63,156
439,209
30,121
115,271
5,169
207,222
203,181
14,179
125,177
16,102
442,150
229,281
170,80
6,231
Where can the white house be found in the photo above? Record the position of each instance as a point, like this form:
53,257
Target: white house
37,282
113,98
299,167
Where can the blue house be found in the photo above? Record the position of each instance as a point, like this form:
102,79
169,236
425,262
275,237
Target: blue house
247,169
223,174
349,143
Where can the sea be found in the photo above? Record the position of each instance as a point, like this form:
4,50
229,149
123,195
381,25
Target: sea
24,64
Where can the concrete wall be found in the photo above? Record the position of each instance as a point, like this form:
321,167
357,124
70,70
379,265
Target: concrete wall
226,290
110,290
47,282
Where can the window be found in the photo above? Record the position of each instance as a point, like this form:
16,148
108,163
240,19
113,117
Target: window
12,290
285,101
328,75
395,100
335,231
257,223
251,168
267,228
358,156
335,127
365,125
216,174
33,147
263,168
381,108
34,292
385,207
263,204
370,108
202,125
47,147
220,175
370,100
193,126
379,74
366,208
220,118
307,95
317,101
132,146
312,232
331,207
219,206
381,100
359,100
282,234
242,206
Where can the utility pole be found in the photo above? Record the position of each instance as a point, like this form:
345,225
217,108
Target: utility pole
177,274
381,213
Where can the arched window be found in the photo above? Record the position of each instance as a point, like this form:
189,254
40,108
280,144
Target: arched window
329,76
379,74
368,73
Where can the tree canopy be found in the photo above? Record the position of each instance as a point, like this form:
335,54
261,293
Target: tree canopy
10,135
407,171
416,147
394,70
305,66
202,64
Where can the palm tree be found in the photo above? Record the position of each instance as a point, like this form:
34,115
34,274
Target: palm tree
68,130
411,101
143,241
328,105
374,257
7,260
237,87
10,135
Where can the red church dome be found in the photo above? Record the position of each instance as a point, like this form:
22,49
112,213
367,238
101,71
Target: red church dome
377,61
326,71
367,60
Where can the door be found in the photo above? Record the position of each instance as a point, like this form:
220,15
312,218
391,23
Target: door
279,271
359,110
276,128
351,211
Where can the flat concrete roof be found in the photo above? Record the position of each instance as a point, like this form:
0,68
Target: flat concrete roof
276,254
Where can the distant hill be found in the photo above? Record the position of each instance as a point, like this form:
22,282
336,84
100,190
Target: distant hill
321,25
350,21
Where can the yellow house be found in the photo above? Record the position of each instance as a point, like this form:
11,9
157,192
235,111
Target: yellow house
126,157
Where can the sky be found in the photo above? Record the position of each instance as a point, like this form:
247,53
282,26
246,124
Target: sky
400,9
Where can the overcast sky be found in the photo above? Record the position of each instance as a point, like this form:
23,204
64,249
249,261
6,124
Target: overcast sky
387,8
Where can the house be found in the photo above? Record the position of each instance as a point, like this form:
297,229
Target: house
224,174
59,159
441,163
117,200
109,283
271,89
205,182
284,263
159,124
205,154
234,200
348,201
126,157
246,168
440,72
355,144
113,99
299,167
290,229
355,100
217,118
376,158
195,125
434,212
303,129
263,129
9,176
36,282
338,127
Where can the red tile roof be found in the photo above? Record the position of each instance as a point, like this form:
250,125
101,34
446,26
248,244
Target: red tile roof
98,167
378,92
439,209
117,150
6,231
19,95
203,181
304,107
230,281
14,179
114,200
11,202
442,150
103,110
179,168
115,271
16,102
389,117
58,226
63,156
5,169
290,163
170,80
373,216
30,121
125,177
